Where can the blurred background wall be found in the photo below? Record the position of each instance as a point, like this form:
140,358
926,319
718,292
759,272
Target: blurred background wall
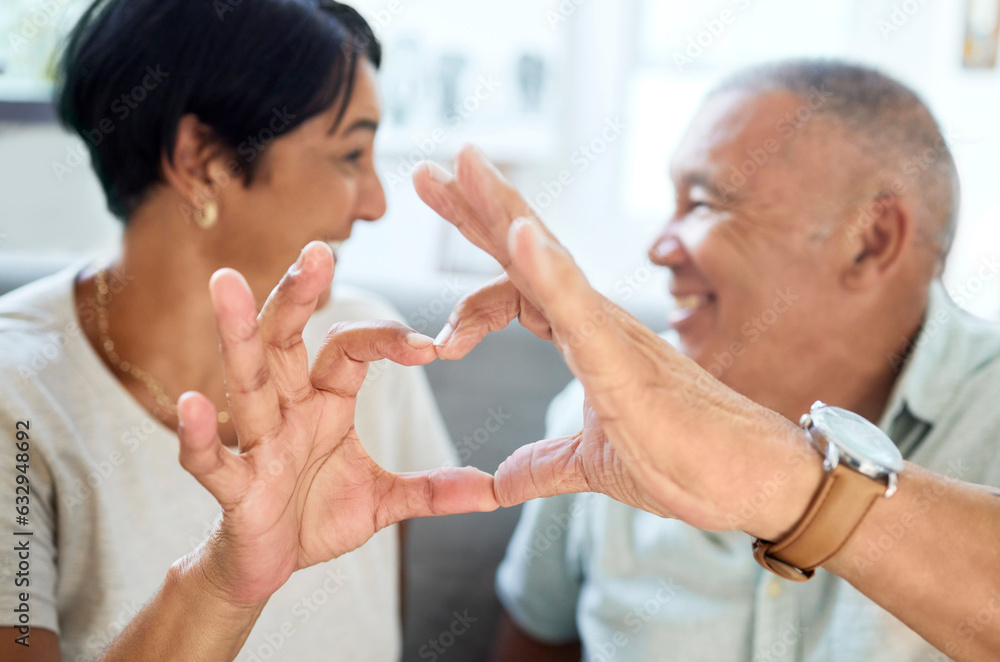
581,101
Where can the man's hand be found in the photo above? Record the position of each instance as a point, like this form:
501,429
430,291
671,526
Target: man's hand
301,489
663,435
465,200
674,431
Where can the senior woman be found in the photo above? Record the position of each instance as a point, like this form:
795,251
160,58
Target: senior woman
225,134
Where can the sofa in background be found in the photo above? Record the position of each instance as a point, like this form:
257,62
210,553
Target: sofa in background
450,561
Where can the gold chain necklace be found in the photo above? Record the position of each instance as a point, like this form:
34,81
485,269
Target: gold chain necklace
108,346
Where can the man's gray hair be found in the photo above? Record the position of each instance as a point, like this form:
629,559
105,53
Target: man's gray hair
884,118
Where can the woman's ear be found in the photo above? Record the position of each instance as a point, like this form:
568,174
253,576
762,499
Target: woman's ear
877,239
194,167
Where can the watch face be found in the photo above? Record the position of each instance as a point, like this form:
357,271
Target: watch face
858,438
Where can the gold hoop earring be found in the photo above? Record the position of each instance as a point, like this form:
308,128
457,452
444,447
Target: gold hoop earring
208,216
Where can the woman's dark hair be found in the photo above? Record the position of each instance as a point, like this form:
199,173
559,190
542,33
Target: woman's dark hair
249,69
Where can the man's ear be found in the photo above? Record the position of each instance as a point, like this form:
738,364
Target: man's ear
876,239
193,169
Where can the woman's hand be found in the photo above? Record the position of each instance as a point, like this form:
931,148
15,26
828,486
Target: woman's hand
301,489
676,434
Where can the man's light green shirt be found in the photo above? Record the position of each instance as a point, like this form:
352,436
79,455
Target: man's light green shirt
633,586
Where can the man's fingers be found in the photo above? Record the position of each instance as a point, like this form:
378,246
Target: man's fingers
613,355
284,317
489,192
447,491
488,309
342,363
202,454
497,203
584,322
253,398
491,195
440,191
477,199
542,469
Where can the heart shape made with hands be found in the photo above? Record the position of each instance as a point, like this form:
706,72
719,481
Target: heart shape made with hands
652,416
300,489
491,214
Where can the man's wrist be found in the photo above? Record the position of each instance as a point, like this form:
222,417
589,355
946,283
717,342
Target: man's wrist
884,514
796,475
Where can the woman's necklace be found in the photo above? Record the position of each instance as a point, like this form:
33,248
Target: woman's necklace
108,345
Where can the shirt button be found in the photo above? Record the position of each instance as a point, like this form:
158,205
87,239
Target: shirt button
774,589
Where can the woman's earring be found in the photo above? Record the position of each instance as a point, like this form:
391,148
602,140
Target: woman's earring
208,216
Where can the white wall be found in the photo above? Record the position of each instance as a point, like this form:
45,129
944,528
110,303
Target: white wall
613,206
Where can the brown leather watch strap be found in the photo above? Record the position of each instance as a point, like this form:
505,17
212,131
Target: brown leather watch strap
842,501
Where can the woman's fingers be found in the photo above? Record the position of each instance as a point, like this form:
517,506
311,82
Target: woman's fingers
447,491
284,317
202,454
542,469
342,363
253,397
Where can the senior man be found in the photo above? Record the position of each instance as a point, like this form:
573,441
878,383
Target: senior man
816,203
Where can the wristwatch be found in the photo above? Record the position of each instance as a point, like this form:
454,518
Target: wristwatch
861,465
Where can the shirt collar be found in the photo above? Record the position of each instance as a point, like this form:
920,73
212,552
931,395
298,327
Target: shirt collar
951,345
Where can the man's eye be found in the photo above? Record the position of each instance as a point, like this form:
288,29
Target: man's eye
354,156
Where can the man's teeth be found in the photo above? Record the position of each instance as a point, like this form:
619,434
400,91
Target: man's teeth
335,246
690,301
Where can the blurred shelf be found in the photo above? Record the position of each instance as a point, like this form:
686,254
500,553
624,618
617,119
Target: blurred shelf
27,111
515,146
25,101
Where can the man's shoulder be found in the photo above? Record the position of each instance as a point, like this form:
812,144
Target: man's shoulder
951,384
951,354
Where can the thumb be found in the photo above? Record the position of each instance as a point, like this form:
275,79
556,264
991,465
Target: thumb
585,324
219,470
445,491
542,469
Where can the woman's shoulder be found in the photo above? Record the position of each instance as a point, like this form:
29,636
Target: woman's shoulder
349,302
44,297
46,361
40,312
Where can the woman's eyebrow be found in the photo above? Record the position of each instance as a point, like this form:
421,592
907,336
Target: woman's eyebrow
364,124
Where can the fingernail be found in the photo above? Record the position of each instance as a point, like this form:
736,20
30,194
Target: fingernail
419,340
479,155
531,226
445,335
300,263
438,173
296,268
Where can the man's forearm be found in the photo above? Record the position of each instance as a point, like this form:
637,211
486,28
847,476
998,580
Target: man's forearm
187,619
930,555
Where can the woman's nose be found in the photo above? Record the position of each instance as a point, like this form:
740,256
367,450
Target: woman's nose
371,199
